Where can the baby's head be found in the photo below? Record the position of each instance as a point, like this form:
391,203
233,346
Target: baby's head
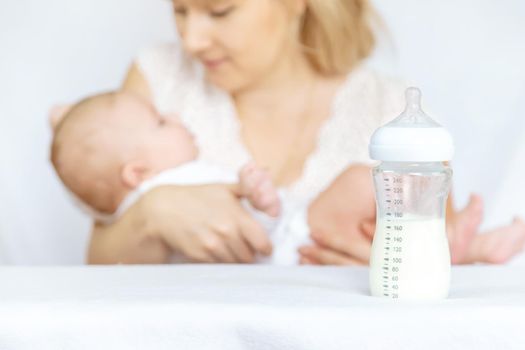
108,144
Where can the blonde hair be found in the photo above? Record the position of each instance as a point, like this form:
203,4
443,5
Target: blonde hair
337,34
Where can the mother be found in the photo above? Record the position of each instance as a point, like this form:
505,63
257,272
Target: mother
277,81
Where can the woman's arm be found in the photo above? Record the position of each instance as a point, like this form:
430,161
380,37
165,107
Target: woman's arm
340,219
203,223
130,240
342,232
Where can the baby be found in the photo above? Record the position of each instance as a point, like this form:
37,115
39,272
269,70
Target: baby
111,148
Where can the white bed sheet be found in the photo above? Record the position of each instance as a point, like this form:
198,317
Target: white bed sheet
251,307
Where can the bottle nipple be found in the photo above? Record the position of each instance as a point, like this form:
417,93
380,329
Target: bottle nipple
413,115
413,102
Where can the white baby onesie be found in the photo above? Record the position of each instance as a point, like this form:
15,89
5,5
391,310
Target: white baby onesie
287,232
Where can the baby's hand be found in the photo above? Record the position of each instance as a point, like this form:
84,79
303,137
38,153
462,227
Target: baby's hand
499,245
256,185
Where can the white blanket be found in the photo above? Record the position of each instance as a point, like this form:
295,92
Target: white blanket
252,307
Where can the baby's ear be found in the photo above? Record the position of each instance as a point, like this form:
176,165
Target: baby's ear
134,173
57,113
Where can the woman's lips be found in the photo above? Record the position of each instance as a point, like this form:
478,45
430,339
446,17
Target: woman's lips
214,64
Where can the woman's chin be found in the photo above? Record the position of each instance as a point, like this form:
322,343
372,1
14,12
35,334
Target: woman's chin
224,82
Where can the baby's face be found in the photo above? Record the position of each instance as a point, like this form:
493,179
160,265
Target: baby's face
110,143
164,142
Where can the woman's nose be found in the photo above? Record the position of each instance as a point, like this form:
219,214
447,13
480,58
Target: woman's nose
195,34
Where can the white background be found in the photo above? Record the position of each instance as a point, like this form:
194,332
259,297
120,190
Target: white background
467,56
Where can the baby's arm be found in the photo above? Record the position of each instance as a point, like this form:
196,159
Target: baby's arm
256,185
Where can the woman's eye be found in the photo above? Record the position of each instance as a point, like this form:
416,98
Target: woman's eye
221,13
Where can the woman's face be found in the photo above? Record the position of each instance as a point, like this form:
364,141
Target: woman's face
239,42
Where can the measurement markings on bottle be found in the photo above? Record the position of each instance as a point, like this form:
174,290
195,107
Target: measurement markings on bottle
393,249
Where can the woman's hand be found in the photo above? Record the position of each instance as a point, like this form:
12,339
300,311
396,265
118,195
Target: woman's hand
208,224
203,223
337,248
342,220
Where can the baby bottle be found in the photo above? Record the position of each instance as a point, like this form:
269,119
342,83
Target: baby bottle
410,256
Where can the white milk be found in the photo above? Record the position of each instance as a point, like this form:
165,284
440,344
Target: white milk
410,259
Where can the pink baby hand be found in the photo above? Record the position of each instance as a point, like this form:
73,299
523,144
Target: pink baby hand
256,185
498,246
